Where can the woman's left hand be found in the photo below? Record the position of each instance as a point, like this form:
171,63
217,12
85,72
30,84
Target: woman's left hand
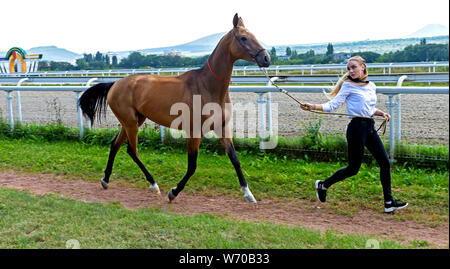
386,115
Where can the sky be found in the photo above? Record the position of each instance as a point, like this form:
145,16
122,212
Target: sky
97,25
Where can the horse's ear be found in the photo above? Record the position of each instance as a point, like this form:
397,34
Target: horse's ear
235,20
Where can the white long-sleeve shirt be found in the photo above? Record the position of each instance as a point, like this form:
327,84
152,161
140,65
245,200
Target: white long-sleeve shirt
360,100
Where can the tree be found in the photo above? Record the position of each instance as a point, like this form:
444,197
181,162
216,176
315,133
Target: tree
114,60
273,54
107,59
88,58
98,56
294,54
369,56
82,64
423,41
288,51
330,49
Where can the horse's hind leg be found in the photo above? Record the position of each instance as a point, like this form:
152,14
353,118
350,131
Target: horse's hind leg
115,146
193,145
132,133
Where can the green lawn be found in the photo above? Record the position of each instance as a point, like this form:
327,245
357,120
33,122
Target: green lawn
426,190
29,221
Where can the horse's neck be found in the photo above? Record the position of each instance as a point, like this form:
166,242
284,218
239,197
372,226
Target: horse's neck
221,61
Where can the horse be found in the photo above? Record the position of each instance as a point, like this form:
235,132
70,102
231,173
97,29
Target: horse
135,98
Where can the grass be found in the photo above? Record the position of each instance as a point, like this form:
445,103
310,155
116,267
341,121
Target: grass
29,221
310,145
268,176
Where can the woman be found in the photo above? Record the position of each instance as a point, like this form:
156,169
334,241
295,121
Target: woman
360,98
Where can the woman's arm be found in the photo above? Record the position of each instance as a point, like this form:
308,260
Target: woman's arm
332,105
308,106
383,114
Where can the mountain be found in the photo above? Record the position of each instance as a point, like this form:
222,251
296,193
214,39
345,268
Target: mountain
198,47
430,30
206,45
53,53
378,46
201,46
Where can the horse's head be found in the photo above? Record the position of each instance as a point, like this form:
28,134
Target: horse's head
245,45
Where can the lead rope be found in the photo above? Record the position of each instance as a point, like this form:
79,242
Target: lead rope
383,124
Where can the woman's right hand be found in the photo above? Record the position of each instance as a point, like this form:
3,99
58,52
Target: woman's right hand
306,106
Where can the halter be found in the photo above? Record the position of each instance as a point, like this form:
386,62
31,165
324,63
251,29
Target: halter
253,56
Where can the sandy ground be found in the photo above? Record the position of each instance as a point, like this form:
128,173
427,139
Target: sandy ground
293,212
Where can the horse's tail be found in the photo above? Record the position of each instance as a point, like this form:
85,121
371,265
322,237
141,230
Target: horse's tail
93,101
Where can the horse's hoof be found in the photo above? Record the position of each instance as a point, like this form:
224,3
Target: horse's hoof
250,199
171,195
248,195
104,184
154,187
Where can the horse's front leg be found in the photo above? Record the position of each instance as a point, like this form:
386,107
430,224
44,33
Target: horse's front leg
231,152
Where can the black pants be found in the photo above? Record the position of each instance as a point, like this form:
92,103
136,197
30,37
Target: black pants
361,132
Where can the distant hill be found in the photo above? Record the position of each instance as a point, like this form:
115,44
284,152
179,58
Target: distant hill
201,46
53,53
198,47
206,45
379,46
431,30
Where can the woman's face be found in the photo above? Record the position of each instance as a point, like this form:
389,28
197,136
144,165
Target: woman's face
355,69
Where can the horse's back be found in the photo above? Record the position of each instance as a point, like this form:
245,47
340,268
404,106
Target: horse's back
147,95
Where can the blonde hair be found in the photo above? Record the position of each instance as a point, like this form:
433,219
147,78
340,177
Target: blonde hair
345,78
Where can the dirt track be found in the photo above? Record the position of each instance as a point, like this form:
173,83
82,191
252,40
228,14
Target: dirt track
294,212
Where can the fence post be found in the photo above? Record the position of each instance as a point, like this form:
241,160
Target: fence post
391,104
269,106
10,110
162,133
80,116
19,103
262,120
398,115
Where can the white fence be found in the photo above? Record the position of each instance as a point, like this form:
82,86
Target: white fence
434,77
266,96
419,114
244,70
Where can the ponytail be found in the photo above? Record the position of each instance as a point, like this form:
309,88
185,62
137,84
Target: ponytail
338,85
347,78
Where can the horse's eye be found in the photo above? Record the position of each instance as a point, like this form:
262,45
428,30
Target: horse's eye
243,39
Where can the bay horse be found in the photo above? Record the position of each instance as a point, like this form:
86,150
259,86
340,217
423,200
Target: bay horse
135,98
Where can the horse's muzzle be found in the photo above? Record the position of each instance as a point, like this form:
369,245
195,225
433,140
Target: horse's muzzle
263,59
